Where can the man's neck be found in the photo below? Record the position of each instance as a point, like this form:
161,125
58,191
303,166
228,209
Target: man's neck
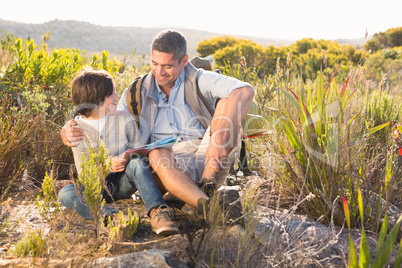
166,89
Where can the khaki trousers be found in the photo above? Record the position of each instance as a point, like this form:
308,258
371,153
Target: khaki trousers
190,157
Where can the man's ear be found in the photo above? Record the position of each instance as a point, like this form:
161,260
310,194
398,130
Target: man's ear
184,61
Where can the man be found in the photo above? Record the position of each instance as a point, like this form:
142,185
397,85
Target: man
209,145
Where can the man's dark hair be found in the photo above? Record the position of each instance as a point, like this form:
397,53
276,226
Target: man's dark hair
172,42
89,89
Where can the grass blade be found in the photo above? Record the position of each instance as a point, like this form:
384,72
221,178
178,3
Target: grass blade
352,251
383,232
389,243
398,259
364,255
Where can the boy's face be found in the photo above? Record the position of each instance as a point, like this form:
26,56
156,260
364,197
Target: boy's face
166,69
111,101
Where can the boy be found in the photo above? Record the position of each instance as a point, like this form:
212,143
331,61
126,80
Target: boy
95,99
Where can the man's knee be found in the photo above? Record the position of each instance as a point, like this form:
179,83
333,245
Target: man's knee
161,158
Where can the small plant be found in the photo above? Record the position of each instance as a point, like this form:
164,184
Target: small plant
122,228
91,181
48,207
32,244
384,249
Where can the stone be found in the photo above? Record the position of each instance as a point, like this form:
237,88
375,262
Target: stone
146,259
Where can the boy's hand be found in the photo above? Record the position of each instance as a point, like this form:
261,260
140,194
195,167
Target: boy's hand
119,164
69,135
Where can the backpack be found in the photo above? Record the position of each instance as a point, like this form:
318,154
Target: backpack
133,100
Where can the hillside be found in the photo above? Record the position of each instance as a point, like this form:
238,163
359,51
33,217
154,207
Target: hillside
94,38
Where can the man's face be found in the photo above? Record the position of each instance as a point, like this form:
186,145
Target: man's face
166,69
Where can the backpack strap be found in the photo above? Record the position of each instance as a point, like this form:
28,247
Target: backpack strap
133,98
205,64
202,98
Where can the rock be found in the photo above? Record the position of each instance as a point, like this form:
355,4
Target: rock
140,259
296,240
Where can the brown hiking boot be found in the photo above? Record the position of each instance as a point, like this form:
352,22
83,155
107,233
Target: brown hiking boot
161,221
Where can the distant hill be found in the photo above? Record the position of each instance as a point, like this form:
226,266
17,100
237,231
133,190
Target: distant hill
95,38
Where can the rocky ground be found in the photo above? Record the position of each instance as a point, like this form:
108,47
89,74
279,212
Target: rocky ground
272,237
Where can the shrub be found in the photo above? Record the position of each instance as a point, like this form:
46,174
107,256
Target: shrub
32,244
91,181
16,131
48,205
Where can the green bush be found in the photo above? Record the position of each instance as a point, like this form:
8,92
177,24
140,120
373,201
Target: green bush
91,181
16,131
32,244
35,96
306,55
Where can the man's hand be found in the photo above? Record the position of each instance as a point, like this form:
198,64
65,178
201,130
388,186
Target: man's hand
216,158
119,164
69,135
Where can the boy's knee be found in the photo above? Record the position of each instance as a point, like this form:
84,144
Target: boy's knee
66,192
137,163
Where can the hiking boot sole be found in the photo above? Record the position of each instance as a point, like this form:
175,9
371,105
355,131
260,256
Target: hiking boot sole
166,231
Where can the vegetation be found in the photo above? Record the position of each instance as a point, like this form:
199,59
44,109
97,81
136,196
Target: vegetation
91,182
382,257
385,40
33,244
123,228
48,205
330,107
306,55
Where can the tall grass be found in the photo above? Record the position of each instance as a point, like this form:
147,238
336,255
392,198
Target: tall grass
322,144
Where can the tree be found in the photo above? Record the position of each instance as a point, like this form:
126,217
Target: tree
209,47
388,39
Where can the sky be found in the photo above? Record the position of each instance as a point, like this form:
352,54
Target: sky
279,19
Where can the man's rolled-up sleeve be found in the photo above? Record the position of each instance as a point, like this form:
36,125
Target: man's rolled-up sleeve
213,85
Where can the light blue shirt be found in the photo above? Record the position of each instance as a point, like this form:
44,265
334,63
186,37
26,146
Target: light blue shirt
175,116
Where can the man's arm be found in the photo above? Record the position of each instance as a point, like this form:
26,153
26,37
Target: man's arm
225,125
70,135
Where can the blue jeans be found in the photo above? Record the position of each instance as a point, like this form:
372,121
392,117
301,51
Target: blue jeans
122,185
